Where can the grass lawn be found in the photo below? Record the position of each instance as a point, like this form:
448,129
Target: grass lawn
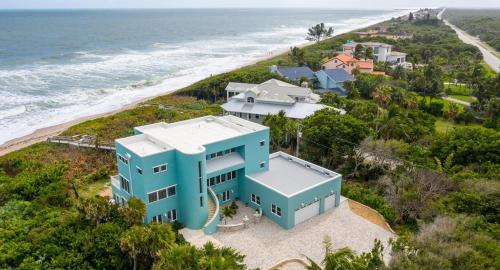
443,126
489,71
453,89
463,98
445,102
93,189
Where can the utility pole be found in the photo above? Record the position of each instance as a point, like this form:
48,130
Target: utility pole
298,139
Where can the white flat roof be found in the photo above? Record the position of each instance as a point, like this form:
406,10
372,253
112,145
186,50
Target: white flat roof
188,136
290,175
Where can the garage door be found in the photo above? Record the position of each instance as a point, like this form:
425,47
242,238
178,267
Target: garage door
330,202
306,213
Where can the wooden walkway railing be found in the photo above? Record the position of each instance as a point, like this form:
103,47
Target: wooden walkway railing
81,141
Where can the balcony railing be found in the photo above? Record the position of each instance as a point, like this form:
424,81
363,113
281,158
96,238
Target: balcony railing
115,181
211,226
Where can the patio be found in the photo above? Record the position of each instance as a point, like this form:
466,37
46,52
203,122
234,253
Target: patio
266,243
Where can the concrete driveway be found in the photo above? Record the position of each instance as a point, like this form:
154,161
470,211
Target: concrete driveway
266,243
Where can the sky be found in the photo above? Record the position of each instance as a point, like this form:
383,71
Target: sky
334,4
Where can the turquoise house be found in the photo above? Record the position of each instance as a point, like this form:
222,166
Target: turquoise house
185,171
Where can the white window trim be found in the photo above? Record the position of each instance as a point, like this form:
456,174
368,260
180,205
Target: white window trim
255,202
276,209
227,197
129,184
139,168
262,163
122,157
166,164
262,143
166,188
171,211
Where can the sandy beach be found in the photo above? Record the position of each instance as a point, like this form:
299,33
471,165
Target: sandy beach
44,133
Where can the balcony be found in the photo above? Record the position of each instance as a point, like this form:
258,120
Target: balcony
226,161
115,181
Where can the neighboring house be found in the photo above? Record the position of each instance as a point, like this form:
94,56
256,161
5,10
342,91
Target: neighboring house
347,62
386,34
382,52
333,80
183,171
294,73
255,101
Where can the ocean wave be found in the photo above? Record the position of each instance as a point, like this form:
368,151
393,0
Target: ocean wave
54,93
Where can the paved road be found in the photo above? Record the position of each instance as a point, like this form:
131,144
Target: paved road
457,101
490,58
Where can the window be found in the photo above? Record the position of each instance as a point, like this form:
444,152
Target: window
172,215
157,219
212,181
223,178
200,178
153,197
139,170
229,176
122,159
233,174
227,151
250,100
125,184
233,150
220,154
257,116
276,210
262,164
262,143
171,191
212,155
217,179
255,199
201,201
225,196
162,194
160,168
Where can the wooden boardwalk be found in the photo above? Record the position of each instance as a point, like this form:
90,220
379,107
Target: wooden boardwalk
81,141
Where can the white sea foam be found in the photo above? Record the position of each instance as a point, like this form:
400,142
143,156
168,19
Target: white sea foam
85,89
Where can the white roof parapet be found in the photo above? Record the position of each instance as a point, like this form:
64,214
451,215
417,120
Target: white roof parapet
189,136
239,87
394,53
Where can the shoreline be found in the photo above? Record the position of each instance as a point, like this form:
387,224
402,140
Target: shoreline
42,134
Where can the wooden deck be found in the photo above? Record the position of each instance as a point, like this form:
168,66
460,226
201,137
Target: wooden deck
81,141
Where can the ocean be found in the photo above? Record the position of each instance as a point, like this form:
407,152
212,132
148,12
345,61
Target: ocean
60,65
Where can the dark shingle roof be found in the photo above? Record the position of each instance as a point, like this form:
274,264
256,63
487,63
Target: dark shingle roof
339,75
295,73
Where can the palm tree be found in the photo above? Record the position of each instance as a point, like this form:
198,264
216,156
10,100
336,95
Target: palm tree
297,55
381,95
319,32
346,259
369,53
227,212
133,242
411,101
342,259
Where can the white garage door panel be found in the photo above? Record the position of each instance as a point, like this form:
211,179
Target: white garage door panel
306,213
329,202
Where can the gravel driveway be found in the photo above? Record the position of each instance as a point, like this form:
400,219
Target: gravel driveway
266,243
